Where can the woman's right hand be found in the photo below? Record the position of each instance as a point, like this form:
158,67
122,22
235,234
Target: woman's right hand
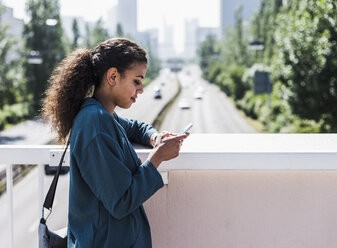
168,148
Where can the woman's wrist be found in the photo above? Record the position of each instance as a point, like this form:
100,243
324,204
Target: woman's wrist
154,138
154,159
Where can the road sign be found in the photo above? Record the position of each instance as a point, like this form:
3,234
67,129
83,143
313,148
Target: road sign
262,82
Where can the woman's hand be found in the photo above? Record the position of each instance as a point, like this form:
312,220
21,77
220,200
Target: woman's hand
156,138
167,146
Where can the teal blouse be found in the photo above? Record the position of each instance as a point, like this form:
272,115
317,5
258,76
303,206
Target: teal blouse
108,183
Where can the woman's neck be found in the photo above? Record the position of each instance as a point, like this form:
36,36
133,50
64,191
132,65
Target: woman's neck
105,101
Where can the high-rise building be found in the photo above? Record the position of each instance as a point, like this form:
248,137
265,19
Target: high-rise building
195,35
166,49
126,13
14,30
112,21
227,10
67,25
191,27
149,40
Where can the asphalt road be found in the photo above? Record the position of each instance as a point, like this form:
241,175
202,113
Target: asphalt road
214,113
147,107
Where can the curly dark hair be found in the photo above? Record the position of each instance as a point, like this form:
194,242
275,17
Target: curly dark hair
77,75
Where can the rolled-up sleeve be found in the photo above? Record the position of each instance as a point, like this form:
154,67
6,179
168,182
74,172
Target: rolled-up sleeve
120,190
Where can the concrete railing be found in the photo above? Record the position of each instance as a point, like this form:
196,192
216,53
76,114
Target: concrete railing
231,190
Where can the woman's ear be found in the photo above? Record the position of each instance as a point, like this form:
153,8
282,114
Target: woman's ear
111,75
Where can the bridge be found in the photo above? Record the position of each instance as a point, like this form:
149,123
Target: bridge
224,190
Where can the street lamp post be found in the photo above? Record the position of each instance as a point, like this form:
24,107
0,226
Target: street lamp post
51,22
262,81
35,58
256,44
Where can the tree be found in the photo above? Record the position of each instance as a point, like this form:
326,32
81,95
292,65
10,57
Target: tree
87,36
264,25
43,36
233,48
153,64
76,33
241,47
208,53
99,33
307,59
119,32
8,70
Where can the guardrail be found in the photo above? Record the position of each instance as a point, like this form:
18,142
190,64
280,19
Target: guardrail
200,152
23,154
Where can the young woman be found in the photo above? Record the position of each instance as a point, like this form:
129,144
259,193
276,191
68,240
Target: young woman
108,183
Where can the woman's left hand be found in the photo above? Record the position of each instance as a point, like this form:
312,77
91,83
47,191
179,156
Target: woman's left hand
160,136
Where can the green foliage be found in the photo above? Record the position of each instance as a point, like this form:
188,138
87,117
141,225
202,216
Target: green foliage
8,68
300,40
250,104
47,40
2,122
238,86
223,63
307,59
231,81
120,32
264,24
208,53
12,114
99,33
240,45
153,66
234,47
87,38
215,69
76,33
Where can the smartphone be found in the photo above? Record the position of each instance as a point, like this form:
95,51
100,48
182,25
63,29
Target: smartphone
186,128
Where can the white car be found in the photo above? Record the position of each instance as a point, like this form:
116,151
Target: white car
198,95
184,104
200,89
157,93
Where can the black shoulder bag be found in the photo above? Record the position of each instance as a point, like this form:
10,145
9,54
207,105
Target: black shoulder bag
47,238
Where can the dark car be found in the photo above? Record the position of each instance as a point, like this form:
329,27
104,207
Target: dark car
157,93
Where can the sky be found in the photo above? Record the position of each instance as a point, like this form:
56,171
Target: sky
151,13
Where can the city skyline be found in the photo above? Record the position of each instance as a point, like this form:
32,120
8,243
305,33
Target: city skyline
151,13
176,28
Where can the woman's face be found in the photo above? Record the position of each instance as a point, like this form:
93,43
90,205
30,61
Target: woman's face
129,85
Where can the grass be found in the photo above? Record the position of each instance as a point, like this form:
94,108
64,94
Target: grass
257,125
13,114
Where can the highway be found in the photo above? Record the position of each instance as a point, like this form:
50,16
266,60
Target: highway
214,113
146,108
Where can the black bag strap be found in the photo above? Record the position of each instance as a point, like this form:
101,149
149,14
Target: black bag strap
49,200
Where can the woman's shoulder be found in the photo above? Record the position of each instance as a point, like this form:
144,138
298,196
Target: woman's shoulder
92,122
93,117
92,109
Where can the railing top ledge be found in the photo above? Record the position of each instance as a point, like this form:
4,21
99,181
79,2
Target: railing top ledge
246,143
234,143
201,143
